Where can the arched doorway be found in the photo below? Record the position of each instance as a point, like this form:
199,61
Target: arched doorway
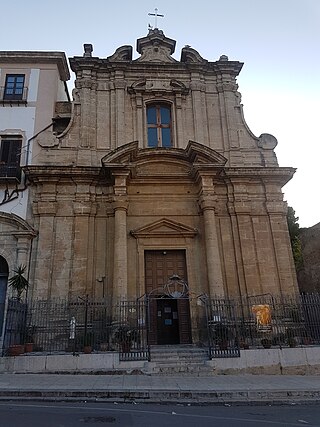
4,273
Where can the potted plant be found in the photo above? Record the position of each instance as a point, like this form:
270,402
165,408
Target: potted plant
88,341
243,343
15,349
266,343
18,282
222,335
291,338
29,339
124,336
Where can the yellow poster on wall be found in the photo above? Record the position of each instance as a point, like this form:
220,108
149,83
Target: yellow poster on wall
262,313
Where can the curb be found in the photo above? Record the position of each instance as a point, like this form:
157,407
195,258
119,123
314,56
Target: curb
170,396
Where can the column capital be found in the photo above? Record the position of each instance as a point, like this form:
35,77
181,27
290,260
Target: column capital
207,202
120,203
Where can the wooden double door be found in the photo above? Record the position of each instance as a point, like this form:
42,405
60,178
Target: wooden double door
169,317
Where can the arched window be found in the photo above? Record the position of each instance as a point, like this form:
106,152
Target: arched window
4,272
159,125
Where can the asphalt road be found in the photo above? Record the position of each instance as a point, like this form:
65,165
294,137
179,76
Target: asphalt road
77,414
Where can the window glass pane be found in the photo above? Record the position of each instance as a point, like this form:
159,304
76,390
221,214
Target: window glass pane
10,79
5,146
165,115
152,137
20,79
166,137
151,115
14,157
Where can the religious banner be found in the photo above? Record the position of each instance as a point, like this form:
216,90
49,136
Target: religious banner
262,313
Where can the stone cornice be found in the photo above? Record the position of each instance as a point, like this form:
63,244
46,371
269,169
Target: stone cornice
34,173
279,175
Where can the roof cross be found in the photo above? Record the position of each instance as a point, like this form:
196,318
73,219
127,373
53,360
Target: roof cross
155,14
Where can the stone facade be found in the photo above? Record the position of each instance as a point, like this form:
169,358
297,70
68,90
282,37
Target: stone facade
101,197
202,200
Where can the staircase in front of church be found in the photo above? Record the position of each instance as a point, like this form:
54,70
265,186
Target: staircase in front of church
178,359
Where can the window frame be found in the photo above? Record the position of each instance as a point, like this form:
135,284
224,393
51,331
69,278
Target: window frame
159,124
18,91
10,156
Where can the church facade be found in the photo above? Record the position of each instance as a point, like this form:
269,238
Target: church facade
157,187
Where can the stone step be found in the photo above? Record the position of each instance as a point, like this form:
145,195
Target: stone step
181,354
188,369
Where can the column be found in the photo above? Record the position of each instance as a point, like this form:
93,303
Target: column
120,260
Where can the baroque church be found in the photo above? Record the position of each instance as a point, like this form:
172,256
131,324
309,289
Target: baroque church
149,182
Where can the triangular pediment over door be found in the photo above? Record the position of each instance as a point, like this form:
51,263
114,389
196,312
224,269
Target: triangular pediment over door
164,228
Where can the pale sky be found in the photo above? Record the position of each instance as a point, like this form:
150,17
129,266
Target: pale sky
278,41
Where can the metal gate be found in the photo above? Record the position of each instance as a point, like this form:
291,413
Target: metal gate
130,330
222,328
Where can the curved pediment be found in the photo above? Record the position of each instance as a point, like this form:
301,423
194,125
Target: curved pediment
123,155
16,224
123,53
194,154
164,228
201,154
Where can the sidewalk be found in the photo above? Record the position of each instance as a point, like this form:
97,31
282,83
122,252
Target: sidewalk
218,389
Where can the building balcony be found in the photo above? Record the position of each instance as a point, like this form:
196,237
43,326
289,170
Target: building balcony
10,172
16,97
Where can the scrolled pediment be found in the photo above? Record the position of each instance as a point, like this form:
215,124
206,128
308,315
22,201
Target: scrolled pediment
158,86
191,56
123,53
164,228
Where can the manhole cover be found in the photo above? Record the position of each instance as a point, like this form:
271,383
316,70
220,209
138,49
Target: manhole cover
98,419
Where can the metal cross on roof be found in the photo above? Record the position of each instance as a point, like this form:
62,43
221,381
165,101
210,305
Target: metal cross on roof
155,14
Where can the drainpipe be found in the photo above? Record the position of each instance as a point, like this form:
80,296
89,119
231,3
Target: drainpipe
32,138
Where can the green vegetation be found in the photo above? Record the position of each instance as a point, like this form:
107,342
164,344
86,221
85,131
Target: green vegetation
18,282
294,230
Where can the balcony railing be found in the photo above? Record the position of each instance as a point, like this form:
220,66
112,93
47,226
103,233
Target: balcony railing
13,98
10,172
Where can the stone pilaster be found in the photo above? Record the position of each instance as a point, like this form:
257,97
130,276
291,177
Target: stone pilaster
84,208
87,89
120,86
282,247
196,86
180,130
22,250
207,204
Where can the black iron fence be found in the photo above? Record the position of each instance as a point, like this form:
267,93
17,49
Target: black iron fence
223,325
262,321
53,326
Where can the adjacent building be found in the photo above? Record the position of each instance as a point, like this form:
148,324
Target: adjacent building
32,87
